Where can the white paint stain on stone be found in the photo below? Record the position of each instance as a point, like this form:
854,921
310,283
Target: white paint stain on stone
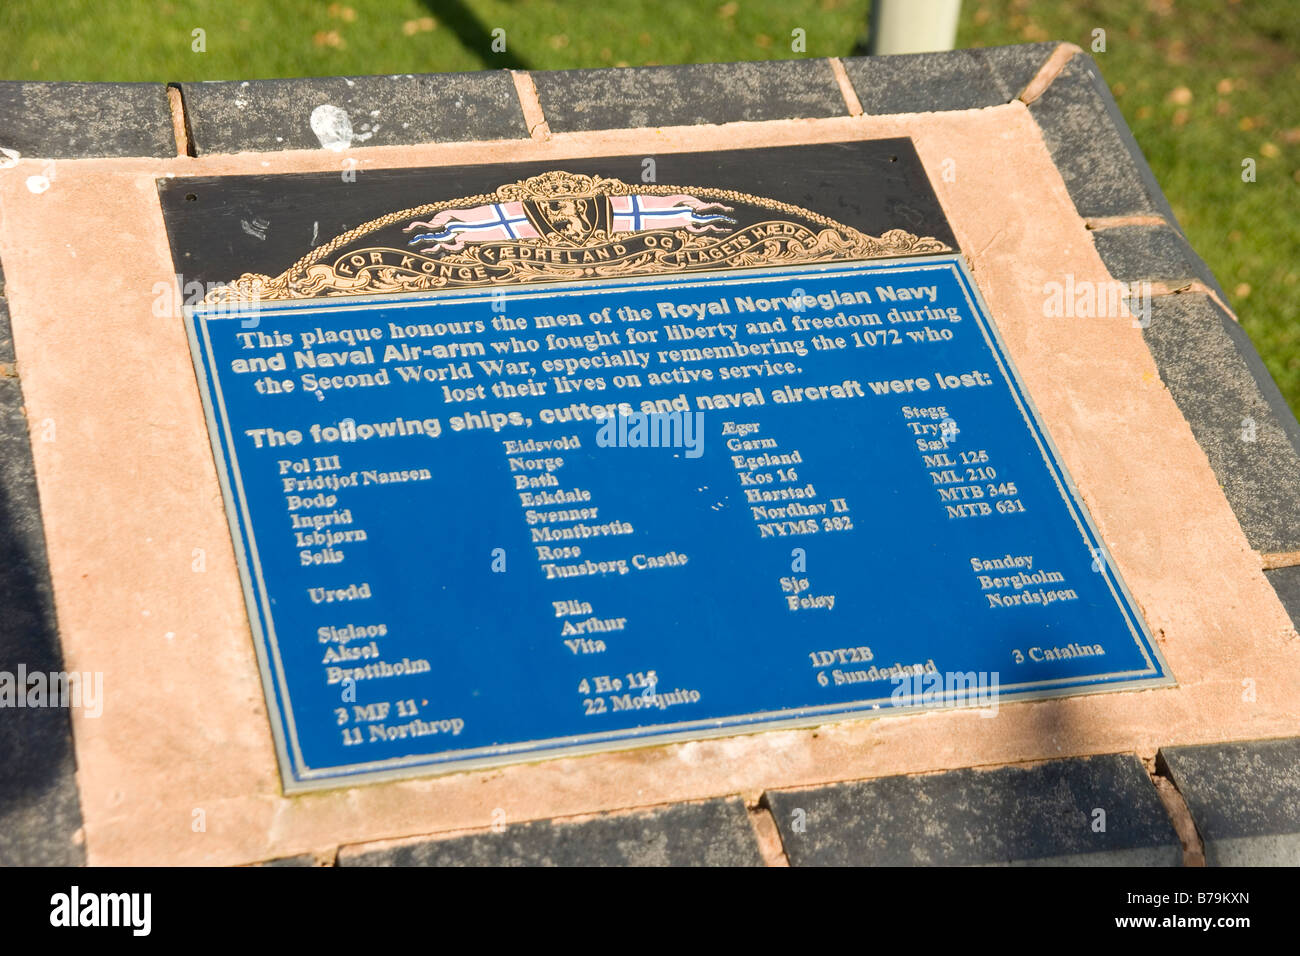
332,127
38,184
257,228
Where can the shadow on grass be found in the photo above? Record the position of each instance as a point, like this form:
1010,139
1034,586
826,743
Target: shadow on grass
474,35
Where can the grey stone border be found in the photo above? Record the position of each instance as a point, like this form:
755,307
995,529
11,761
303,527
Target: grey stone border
401,110
1086,811
1239,801
1090,143
1153,253
952,80
1193,338
1236,413
86,120
633,97
1244,797
713,833
1286,582
82,120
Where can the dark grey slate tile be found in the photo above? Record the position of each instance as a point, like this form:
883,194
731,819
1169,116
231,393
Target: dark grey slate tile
81,120
302,859
1268,388
1153,253
1244,797
1286,582
1236,413
575,100
6,333
715,833
1092,146
1020,816
953,80
40,812
1015,66
401,110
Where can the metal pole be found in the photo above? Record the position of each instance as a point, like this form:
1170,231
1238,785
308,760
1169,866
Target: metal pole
912,26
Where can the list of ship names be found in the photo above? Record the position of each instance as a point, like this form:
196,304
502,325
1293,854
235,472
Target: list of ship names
487,523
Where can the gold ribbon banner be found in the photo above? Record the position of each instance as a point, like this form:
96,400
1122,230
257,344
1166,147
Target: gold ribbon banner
382,269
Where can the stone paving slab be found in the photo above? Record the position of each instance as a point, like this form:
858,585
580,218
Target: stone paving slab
628,98
1047,814
339,111
714,833
1286,582
1103,168
1152,253
1236,412
83,120
1244,798
6,334
302,859
952,80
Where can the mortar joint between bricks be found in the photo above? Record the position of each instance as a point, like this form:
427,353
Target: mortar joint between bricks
1180,815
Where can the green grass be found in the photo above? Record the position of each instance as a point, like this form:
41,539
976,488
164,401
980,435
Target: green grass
255,39
1203,83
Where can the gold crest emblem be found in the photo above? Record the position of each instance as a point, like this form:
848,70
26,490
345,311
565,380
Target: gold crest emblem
563,226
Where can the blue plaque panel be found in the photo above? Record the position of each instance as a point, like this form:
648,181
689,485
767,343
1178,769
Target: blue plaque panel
486,525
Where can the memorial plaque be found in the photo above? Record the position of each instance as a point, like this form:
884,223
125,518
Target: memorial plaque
539,459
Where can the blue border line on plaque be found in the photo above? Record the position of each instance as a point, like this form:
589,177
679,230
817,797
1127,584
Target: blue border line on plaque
298,777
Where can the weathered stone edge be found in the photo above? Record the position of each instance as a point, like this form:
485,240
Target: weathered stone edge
710,832
1079,82
1209,365
55,120
1286,583
973,78
1240,824
868,822
382,110
688,94
87,120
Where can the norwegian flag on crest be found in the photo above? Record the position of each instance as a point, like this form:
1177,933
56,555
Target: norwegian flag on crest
499,222
452,228
636,213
